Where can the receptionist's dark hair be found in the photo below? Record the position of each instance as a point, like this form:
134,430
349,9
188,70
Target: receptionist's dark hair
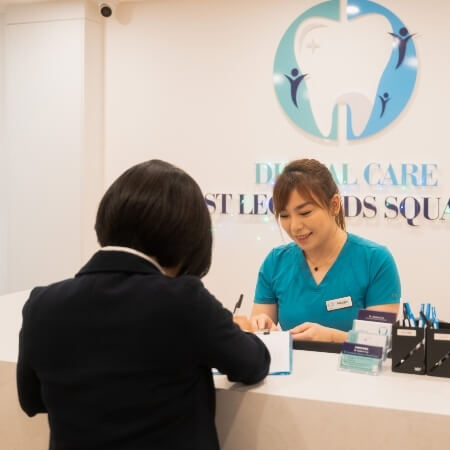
313,181
159,210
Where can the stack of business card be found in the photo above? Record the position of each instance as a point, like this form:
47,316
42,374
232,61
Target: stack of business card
377,316
368,341
377,323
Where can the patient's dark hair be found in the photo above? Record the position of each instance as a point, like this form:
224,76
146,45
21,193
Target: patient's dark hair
158,209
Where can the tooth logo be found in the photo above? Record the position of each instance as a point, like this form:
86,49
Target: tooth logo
355,53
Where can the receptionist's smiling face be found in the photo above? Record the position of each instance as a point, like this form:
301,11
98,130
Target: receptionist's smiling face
306,223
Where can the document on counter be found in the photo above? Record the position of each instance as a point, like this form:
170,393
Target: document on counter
279,344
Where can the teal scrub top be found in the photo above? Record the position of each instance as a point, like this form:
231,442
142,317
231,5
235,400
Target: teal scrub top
364,271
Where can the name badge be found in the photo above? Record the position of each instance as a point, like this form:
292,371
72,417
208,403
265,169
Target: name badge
339,303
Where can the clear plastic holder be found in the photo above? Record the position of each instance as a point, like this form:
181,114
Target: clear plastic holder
378,328
361,358
361,337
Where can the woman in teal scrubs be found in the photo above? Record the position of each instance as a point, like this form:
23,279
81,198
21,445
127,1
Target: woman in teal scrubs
315,285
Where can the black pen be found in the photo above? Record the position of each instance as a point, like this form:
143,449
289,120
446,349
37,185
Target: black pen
405,316
238,303
426,320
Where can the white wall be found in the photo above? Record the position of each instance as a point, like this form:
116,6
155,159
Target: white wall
191,82
3,170
54,135
92,145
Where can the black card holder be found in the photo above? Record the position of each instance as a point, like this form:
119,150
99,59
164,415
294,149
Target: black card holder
408,349
438,350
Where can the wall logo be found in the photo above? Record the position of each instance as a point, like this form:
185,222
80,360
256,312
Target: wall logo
355,53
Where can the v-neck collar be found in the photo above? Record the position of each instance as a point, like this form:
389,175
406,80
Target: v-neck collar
323,281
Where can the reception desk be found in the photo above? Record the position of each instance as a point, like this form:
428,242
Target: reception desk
319,406
316,407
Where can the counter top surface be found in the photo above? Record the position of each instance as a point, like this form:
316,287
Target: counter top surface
10,323
315,376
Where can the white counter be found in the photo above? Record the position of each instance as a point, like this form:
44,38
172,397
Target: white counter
321,407
316,407
10,323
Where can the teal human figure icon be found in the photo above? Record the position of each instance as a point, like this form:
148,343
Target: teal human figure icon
384,99
402,39
295,83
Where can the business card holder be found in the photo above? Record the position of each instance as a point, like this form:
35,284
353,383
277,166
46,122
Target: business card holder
438,350
421,350
408,349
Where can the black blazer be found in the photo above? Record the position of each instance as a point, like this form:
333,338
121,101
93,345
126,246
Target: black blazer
121,355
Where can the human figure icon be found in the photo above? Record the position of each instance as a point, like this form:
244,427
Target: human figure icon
402,38
295,83
384,99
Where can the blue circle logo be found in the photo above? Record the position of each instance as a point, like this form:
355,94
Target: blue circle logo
356,53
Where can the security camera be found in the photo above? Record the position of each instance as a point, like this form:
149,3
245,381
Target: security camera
107,8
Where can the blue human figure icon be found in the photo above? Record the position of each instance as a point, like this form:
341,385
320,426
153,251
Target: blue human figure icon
384,99
402,39
295,83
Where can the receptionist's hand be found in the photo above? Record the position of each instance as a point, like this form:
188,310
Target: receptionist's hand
262,322
315,332
312,332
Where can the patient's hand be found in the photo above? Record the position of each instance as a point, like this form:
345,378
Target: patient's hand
243,323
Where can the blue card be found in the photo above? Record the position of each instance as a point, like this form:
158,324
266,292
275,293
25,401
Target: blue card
377,316
370,351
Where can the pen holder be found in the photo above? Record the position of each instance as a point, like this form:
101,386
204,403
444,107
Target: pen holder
408,349
438,350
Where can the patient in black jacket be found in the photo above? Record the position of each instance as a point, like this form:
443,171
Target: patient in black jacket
120,356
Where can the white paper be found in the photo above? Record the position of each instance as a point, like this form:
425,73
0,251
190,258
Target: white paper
279,344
